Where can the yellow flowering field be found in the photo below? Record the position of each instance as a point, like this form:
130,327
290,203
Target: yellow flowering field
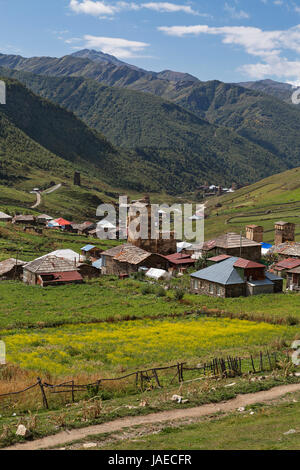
108,348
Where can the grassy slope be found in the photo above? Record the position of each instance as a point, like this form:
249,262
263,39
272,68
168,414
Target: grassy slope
163,133
263,203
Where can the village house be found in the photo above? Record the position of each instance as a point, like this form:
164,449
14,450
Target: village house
282,267
51,270
234,277
287,250
24,220
293,279
232,244
180,261
126,259
91,252
43,219
11,269
5,217
82,229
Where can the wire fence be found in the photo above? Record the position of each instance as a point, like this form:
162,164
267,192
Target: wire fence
217,367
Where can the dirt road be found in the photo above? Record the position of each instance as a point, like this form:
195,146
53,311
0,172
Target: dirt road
164,416
39,195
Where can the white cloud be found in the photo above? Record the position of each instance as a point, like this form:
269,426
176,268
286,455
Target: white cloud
268,45
121,48
165,7
89,7
103,9
234,13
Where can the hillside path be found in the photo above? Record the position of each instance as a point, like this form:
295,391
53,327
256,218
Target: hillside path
39,195
66,437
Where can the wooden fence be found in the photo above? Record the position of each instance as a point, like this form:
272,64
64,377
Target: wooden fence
218,367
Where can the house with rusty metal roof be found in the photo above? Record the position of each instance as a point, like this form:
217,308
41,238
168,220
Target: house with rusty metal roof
126,259
234,277
51,270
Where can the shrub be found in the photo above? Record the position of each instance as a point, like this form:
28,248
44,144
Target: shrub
179,294
160,292
291,321
146,290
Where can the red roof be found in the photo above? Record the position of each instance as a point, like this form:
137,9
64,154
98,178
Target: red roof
68,276
245,264
288,263
180,258
216,259
61,221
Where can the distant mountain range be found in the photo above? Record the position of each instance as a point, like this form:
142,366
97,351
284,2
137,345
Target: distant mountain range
190,131
282,91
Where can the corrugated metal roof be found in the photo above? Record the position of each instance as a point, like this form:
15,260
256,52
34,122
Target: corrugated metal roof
246,264
289,263
221,273
217,259
273,276
88,247
5,216
97,264
261,282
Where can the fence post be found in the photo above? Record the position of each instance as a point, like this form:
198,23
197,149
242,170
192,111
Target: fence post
73,397
253,364
45,402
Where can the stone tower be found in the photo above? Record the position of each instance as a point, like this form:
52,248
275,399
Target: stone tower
284,232
255,233
77,178
153,245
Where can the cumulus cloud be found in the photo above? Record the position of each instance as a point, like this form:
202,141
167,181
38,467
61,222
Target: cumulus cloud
268,45
121,48
103,9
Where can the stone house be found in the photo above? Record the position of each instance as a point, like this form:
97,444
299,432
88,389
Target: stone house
51,270
233,244
126,259
293,279
11,269
282,267
24,220
233,277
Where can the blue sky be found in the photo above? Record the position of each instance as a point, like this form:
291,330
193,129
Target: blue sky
233,40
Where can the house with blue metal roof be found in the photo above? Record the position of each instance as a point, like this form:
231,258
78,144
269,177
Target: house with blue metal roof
234,277
91,251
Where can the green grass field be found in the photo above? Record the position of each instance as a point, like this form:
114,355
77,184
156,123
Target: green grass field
263,203
109,299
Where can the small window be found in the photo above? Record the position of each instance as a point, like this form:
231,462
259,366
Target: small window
196,284
219,291
211,288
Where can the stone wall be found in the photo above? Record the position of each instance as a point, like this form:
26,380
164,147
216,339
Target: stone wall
203,287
